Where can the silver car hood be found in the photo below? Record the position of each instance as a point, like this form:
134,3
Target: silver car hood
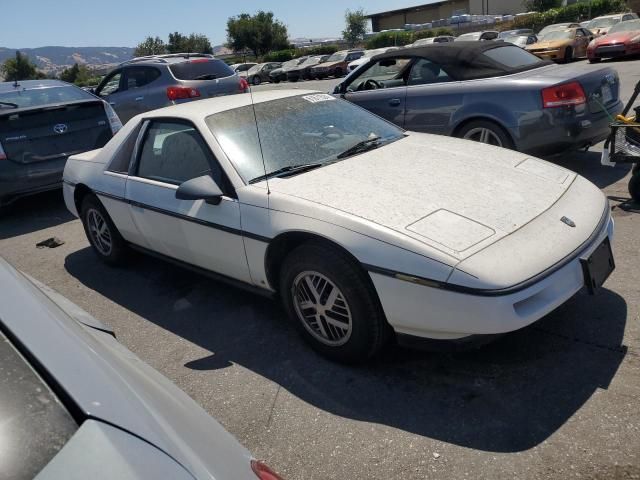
109,383
456,196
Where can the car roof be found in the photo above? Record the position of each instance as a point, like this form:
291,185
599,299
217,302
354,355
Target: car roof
210,106
31,84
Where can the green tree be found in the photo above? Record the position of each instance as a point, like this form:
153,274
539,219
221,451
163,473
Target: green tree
78,74
150,46
541,5
194,43
260,33
20,68
356,26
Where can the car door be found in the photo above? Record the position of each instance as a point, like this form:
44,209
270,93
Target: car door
111,89
170,152
135,98
432,98
381,88
581,42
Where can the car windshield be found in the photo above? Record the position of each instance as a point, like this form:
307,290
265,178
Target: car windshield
201,68
36,97
469,36
337,57
256,68
558,35
310,61
304,129
517,39
628,26
290,63
553,28
602,23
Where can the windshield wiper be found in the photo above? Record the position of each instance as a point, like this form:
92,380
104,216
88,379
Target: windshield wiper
287,171
367,144
9,104
208,76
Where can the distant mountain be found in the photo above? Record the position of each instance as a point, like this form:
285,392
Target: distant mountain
55,59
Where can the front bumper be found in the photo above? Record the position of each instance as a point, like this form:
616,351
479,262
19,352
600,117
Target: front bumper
554,55
435,313
613,51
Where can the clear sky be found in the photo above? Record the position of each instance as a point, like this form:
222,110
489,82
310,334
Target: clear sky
124,23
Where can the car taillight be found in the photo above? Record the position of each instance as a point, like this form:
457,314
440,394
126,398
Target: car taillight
563,95
114,120
199,60
177,93
243,86
263,472
3,156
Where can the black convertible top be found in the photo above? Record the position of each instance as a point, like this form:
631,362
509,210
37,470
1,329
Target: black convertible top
464,60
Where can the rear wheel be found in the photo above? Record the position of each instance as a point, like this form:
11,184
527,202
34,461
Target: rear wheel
485,131
333,304
338,72
568,55
594,60
276,80
634,186
101,232
256,80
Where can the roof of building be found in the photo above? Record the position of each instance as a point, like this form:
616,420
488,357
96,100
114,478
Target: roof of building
407,9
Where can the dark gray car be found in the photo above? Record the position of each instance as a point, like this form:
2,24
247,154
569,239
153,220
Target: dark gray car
260,73
75,404
147,83
42,122
492,92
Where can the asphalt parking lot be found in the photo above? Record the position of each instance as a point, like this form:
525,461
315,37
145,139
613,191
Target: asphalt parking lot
558,399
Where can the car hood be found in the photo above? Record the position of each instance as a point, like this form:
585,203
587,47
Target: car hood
329,64
109,383
617,37
551,44
454,195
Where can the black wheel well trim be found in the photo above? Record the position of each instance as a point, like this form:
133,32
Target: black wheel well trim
80,192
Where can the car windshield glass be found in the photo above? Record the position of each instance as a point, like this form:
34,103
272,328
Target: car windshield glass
34,425
628,26
201,69
290,63
310,61
512,56
255,68
553,28
558,35
44,96
517,40
602,23
305,129
337,57
469,36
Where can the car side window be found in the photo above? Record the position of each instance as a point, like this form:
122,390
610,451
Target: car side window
140,76
110,85
122,158
385,73
174,152
424,72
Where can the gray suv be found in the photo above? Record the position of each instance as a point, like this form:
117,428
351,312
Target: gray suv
147,83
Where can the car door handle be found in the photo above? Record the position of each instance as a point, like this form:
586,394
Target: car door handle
139,98
394,102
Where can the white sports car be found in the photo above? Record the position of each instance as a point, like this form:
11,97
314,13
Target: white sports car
362,229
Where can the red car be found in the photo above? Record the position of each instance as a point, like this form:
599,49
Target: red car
622,40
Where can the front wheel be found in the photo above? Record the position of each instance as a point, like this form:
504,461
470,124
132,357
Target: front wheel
634,186
276,80
256,80
333,304
101,232
485,131
594,60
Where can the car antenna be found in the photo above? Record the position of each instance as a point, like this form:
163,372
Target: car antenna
255,116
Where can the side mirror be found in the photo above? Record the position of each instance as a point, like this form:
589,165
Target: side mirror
200,188
337,89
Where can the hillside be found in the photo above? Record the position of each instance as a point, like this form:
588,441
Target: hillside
54,59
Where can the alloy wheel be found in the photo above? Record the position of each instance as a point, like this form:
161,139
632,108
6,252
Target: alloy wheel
322,308
483,135
99,230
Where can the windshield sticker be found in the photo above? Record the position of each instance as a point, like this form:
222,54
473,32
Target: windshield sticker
318,97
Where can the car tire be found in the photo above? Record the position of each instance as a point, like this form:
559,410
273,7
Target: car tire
493,133
568,55
104,237
293,79
595,60
634,186
357,329
338,73
256,80
275,80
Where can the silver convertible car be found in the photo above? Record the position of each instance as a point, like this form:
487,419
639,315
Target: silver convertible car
365,231
492,92
76,405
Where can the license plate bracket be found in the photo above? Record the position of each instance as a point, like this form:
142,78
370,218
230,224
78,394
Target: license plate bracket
598,266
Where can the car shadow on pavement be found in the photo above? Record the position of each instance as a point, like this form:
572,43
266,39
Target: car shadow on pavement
588,165
32,213
505,397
